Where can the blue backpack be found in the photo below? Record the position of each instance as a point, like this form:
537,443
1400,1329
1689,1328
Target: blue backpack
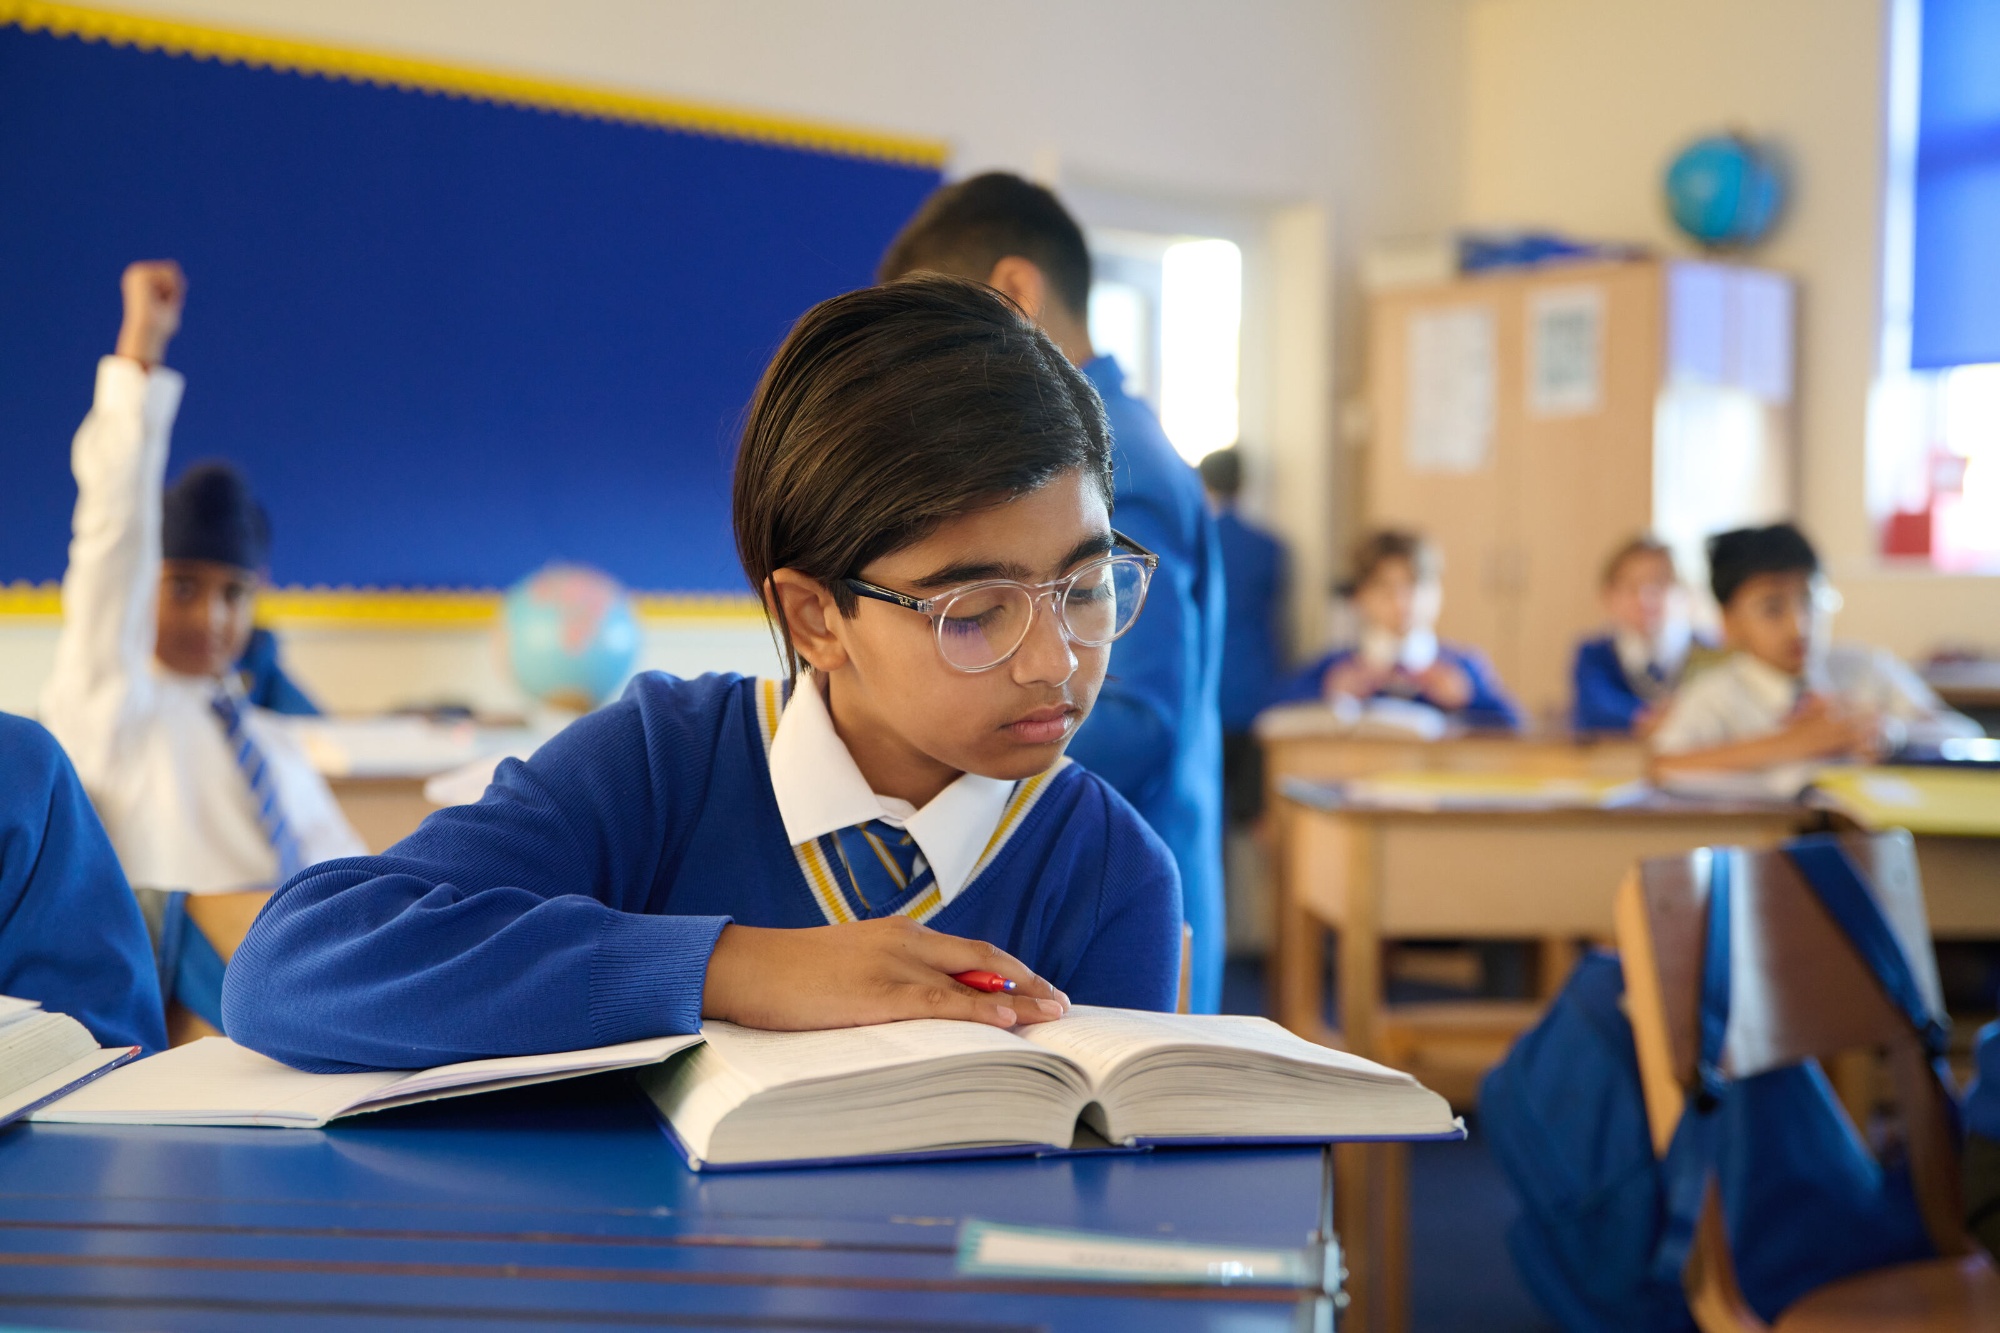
1605,1226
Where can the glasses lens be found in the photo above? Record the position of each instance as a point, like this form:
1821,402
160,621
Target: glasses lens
982,625
1105,600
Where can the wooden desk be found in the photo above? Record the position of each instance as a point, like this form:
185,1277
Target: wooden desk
1373,875
1307,741
383,811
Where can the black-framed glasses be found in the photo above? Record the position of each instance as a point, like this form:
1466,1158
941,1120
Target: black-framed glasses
980,625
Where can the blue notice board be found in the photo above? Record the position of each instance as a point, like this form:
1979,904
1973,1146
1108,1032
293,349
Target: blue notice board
449,336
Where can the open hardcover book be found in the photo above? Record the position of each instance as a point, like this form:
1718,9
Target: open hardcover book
44,1055
1097,1077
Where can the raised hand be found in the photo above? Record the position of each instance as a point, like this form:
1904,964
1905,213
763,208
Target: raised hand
876,971
154,291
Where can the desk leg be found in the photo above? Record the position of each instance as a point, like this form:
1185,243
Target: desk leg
1360,979
1300,952
1557,961
1371,1205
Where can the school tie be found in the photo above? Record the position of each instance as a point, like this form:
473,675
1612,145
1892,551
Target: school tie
263,785
884,867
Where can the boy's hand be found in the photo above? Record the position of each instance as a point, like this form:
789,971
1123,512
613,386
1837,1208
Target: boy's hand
864,972
154,291
1822,728
1446,685
1353,678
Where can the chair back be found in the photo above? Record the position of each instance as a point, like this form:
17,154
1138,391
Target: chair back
1798,991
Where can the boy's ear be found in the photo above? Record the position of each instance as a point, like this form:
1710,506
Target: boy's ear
1022,282
806,609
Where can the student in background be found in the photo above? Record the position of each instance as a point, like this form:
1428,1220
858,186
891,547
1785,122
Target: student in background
1156,734
1624,679
1253,575
1397,590
198,788
1784,696
70,933
922,499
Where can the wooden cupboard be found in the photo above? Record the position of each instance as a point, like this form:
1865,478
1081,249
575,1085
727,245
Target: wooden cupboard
1531,420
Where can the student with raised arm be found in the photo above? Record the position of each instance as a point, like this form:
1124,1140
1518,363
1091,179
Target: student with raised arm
1785,696
199,790
1157,733
922,500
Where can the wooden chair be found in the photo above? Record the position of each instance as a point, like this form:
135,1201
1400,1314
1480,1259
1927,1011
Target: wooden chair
225,919
1800,992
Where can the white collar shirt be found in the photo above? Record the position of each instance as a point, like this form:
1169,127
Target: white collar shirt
146,741
820,789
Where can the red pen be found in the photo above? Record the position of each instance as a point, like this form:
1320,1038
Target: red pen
991,982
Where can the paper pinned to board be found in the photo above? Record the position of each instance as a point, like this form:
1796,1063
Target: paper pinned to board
1566,351
1451,389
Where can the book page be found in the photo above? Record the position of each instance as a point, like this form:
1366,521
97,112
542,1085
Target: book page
213,1082
1101,1041
512,1071
766,1060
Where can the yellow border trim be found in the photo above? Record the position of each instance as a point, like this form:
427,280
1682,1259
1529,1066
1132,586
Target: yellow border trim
384,70
398,608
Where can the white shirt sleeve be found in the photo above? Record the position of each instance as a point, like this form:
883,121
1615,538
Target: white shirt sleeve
1887,684
102,677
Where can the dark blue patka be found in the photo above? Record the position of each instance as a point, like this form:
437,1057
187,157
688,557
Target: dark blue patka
577,903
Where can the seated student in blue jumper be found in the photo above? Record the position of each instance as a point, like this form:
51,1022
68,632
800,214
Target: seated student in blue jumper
1397,589
1156,734
922,498
70,932
1624,680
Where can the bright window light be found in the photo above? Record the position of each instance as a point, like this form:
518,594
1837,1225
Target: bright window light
1965,472
1201,317
1118,329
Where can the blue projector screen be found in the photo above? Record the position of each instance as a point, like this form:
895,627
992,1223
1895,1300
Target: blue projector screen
448,339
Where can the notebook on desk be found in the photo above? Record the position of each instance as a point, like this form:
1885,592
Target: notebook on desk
1095,1080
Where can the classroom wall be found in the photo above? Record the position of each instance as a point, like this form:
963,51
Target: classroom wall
1336,123
1572,110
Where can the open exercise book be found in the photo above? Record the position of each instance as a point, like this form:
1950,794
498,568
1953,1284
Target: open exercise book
734,1098
44,1055
1095,1078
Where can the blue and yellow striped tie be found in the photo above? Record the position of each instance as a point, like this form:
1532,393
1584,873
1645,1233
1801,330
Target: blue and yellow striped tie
263,786
884,868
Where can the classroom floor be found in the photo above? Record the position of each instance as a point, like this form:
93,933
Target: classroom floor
1461,1279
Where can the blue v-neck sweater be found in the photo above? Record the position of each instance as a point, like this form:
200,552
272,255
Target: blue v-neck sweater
577,903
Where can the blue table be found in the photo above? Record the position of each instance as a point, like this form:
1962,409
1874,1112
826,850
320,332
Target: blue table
564,1207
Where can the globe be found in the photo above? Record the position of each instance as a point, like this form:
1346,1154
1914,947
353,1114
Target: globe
1724,191
569,635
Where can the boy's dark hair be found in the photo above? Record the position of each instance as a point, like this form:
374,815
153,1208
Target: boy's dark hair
966,228
1384,545
1645,544
1737,556
1222,472
892,409
210,514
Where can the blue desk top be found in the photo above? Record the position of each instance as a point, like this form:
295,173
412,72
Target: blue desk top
564,1207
